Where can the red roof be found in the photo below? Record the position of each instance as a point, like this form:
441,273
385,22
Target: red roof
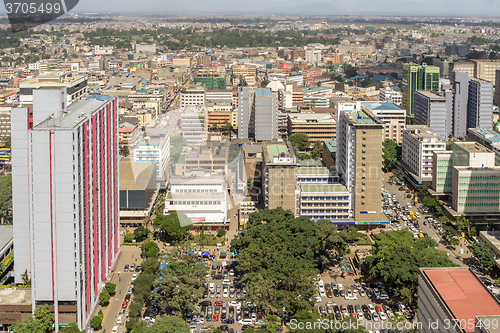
464,295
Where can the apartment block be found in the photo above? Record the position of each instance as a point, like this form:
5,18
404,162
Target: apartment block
419,144
359,161
434,111
65,200
279,176
485,68
318,126
246,127
480,104
391,96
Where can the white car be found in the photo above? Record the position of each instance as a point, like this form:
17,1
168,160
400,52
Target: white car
320,283
382,316
134,277
318,299
360,315
371,308
322,293
234,304
119,320
115,329
225,294
226,281
246,322
375,316
340,287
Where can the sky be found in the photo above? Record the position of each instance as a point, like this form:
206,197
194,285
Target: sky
366,7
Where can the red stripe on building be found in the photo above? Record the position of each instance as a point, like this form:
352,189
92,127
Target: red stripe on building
86,216
94,201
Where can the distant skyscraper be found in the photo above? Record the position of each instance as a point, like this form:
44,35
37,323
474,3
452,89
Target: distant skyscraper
244,112
457,49
416,77
460,100
433,111
65,200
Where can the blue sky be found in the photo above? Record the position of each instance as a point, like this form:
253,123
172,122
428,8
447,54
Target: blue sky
375,7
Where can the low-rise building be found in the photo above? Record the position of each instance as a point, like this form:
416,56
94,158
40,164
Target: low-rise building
419,144
325,202
391,96
154,146
488,138
329,153
75,84
204,199
318,126
316,175
212,158
193,96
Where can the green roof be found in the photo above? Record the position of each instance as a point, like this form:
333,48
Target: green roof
276,150
182,159
328,188
331,145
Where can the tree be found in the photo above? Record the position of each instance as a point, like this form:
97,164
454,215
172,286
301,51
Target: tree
6,141
140,233
71,328
350,71
124,150
169,324
150,265
390,154
221,232
243,82
463,223
110,288
174,225
250,183
483,253
96,322
449,231
295,69
42,321
264,83
423,190
26,280
454,241
104,297
150,249
299,141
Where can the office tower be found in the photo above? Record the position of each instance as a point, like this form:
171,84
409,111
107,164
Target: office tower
65,200
313,56
359,161
460,101
497,87
265,112
244,112
194,125
279,176
433,111
480,104
416,77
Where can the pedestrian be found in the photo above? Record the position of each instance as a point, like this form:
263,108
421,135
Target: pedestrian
120,292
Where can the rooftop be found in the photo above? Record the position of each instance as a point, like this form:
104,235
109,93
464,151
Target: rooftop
331,145
312,117
463,294
362,118
263,92
487,134
311,170
431,95
136,175
53,79
422,131
15,296
326,188
381,106
472,147
202,180
275,150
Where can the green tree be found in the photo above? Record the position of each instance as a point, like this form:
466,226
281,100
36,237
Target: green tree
390,154
110,287
423,190
463,223
150,265
96,322
243,82
6,141
151,249
42,321
174,225
124,150
221,232
169,324
104,297
454,241
483,253
264,83
295,69
350,71
299,141
140,233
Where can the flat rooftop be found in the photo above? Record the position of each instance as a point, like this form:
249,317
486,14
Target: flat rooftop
362,118
487,134
263,92
464,295
316,171
381,106
135,175
473,147
431,95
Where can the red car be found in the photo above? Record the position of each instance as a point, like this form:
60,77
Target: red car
124,304
216,316
353,315
218,303
329,294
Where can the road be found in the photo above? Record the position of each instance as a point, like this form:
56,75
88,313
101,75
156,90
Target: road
122,281
400,196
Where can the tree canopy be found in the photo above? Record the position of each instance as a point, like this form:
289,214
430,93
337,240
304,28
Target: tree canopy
390,153
299,141
280,256
42,321
174,225
397,256
482,252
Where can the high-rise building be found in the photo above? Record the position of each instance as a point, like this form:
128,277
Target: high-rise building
434,111
480,104
65,200
457,49
245,102
497,87
194,125
416,77
460,100
265,108
359,161
313,56
280,176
